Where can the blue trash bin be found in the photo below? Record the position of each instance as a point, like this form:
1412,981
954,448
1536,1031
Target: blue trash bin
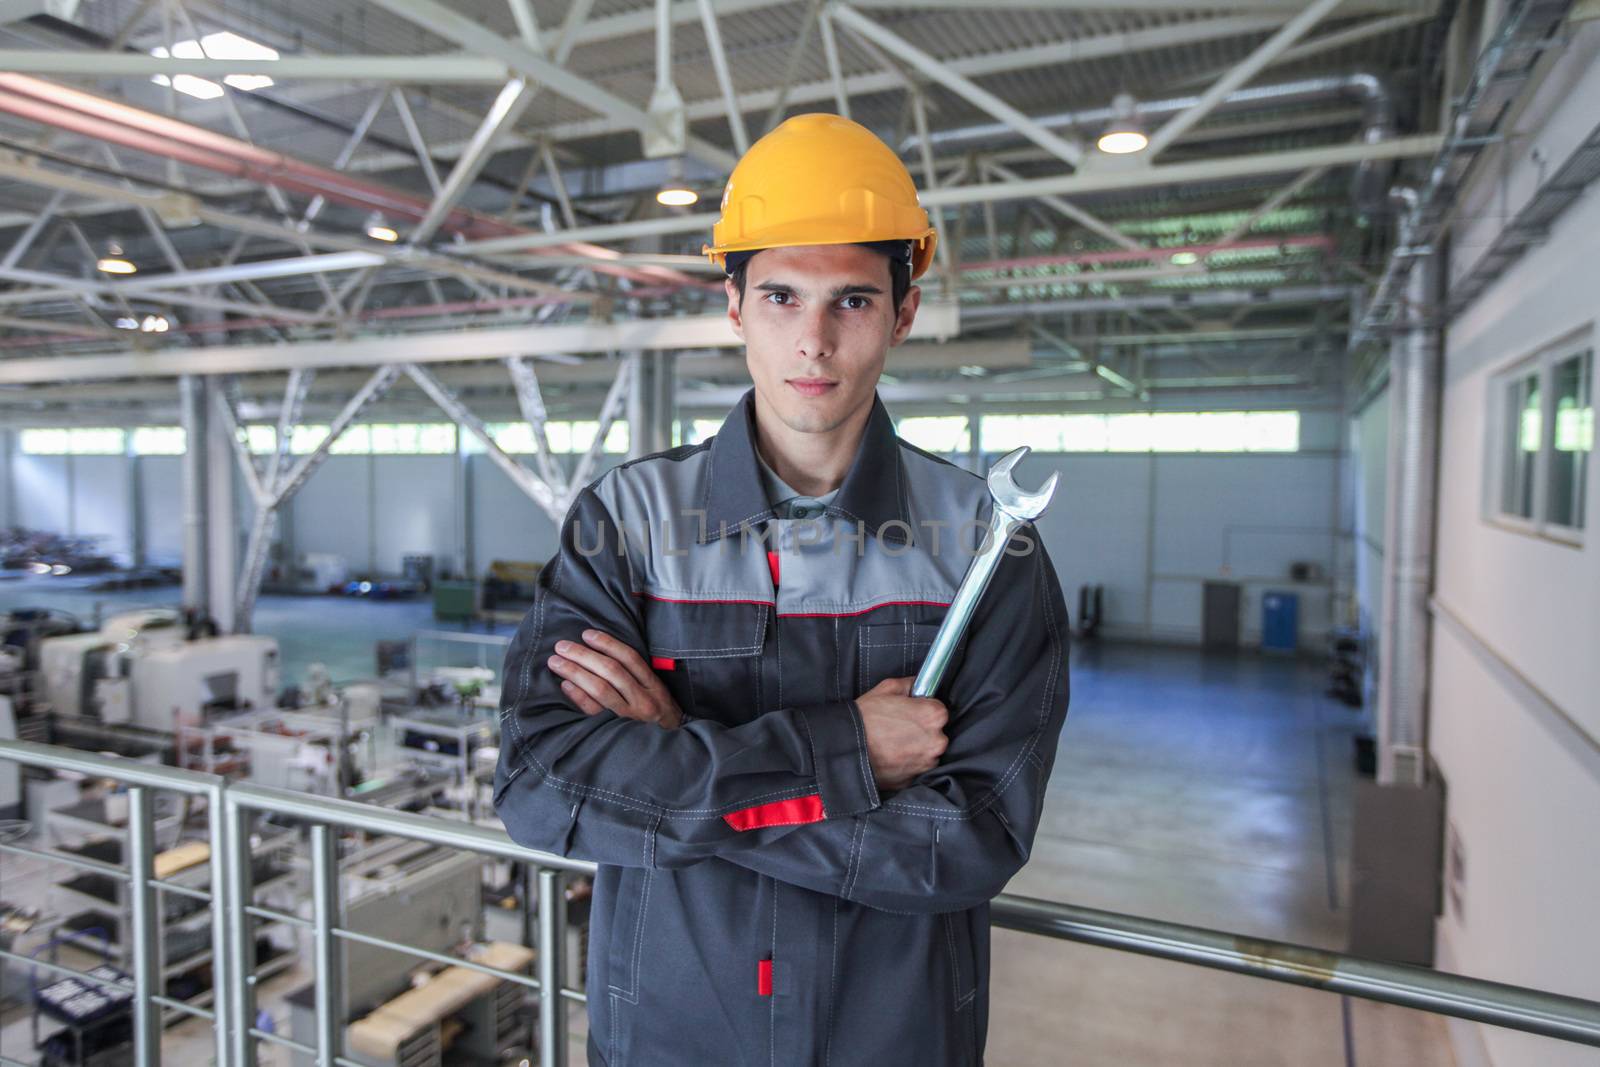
1280,620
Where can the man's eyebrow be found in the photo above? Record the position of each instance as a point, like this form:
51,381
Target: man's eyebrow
848,289
854,289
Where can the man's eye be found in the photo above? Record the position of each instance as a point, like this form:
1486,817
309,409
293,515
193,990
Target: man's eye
778,298
860,302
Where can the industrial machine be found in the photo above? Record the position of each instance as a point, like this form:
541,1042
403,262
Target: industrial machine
429,897
141,669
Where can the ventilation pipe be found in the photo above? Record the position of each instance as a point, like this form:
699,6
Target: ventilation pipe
1404,640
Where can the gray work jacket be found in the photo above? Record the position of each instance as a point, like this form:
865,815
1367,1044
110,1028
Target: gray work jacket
759,901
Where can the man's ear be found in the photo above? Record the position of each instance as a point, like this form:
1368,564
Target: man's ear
905,315
734,315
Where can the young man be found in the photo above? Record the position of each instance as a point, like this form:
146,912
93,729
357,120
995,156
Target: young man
711,695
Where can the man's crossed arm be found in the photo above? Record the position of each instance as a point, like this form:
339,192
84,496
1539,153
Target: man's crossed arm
886,800
904,734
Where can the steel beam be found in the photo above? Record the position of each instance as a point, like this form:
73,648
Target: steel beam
690,331
830,51
719,64
453,26
419,146
1053,53
957,83
508,107
616,400
342,160
530,401
537,490
947,195
287,267
1248,68
1067,209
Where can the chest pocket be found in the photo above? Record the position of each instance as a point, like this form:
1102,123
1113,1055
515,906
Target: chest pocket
709,656
891,650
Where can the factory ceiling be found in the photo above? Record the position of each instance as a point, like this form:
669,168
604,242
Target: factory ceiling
290,180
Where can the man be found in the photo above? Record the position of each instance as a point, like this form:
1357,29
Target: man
711,695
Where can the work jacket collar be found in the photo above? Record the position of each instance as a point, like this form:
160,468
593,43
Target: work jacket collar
873,492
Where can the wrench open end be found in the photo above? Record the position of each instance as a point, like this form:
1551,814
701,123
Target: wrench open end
1012,497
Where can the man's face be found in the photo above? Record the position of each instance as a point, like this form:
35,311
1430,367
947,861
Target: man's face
818,322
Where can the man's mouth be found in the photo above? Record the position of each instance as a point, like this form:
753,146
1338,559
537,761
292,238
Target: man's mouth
811,386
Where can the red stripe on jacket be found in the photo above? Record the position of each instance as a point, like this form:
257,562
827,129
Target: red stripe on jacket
790,812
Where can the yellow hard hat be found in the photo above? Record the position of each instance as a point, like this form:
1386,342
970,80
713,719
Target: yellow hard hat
820,179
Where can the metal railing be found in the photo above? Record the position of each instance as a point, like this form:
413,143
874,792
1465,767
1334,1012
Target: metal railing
231,805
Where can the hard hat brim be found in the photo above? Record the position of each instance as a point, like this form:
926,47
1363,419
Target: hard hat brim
922,248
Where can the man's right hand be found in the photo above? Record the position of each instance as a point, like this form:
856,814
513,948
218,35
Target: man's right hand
905,734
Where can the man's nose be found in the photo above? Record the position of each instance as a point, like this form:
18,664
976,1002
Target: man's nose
816,340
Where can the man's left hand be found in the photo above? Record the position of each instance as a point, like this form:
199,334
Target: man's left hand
604,674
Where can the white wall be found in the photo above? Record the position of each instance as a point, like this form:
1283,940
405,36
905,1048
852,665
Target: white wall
333,511
43,492
79,496
1515,719
1152,529
161,483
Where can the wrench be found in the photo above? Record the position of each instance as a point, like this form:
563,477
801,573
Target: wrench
1012,508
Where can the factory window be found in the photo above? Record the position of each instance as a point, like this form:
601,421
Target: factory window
263,439
414,438
75,441
1174,431
560,436
578,436
1572,395
1521,446
700,429
158,441
381,439
1543,437
936,433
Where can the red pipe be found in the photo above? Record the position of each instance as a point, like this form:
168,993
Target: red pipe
117,123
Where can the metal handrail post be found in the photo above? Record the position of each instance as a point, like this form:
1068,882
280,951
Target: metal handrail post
223,971
241,946
144,927
552,937
324,846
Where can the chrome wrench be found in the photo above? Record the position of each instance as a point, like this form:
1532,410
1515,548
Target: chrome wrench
1012,508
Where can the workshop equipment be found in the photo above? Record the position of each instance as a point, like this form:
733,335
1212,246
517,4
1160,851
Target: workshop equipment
1012,508
144,673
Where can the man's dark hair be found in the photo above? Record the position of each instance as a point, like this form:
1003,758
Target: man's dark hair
898,253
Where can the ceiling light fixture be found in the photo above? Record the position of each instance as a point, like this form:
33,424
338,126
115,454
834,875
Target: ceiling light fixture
379,229
673,192
1124,134
114,262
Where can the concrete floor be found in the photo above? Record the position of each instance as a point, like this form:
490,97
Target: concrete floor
1208,790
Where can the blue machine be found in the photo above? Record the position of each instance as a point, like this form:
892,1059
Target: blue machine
1280,620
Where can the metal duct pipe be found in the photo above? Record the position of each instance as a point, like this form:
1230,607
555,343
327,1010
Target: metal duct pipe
1404,642
1368,89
